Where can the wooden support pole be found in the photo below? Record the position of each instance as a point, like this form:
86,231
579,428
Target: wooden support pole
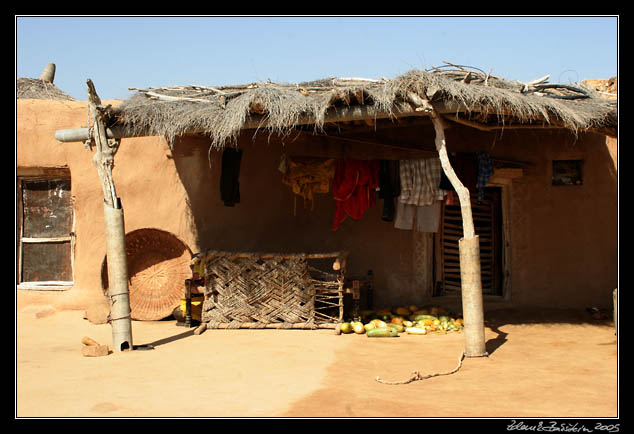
118,290
471,290
255,121
469,245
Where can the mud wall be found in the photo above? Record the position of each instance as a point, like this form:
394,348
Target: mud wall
565,243
563,240
270,219
144,175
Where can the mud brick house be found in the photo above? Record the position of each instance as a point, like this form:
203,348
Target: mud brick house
546,211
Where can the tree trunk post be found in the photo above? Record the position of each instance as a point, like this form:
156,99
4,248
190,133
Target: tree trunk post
469,246
471,289
118,291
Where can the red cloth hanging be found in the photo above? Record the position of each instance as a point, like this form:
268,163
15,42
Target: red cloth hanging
353,188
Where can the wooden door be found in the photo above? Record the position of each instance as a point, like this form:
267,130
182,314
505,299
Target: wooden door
487,220
45,232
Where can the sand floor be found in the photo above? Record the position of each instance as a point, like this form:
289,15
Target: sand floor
542,366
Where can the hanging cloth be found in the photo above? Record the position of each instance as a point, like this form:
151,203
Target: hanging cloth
229,175
420,181
427,217
307,177
420,195
353,188
485,171
389,187
452,198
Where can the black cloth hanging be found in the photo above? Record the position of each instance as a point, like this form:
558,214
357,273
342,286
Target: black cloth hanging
229,176
389,187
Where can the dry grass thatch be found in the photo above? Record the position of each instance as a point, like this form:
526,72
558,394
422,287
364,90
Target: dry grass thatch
222,112
35,88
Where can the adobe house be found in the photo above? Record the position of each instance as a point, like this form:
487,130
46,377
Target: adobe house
547,217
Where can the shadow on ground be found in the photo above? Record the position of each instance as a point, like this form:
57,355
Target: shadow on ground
496,319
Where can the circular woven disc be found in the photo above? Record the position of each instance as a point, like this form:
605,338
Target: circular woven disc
158,264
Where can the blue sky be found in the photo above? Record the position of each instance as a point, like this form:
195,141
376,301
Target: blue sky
118,52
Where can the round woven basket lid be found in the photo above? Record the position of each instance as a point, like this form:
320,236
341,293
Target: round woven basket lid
158,264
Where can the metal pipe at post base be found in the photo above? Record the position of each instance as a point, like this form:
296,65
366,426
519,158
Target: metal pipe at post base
471,288
118,290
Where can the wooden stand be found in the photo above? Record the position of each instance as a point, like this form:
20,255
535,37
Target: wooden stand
360,288
188,305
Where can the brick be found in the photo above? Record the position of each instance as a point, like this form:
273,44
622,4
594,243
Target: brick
94,350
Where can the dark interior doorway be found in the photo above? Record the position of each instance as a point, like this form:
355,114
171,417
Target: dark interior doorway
487,220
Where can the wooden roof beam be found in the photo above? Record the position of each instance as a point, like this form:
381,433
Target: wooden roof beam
334,115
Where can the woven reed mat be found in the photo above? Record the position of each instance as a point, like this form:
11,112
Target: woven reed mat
253,290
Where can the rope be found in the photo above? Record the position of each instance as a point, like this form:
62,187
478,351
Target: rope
417,376
109,319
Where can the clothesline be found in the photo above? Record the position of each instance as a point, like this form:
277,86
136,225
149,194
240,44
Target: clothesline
411,190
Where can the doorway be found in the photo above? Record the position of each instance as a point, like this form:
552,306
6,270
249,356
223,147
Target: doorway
487,221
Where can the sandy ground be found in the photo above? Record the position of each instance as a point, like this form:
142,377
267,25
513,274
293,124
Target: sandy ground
548,366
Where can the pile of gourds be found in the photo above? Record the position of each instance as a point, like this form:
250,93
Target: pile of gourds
411,320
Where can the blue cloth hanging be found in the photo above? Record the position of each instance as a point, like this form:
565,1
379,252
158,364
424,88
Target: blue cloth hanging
485,171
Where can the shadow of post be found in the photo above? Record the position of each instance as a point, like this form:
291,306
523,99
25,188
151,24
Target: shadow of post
493,344
174,338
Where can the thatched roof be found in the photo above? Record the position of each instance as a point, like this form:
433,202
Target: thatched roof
36,88
222,112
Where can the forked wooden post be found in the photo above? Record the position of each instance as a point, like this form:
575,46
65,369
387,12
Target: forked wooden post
118,290
469,245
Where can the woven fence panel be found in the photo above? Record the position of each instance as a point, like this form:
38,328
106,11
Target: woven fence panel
255,290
